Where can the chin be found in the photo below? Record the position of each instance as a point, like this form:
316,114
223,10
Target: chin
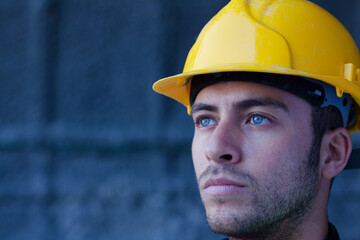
225,212
223,222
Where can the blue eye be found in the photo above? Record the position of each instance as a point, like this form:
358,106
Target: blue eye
258,120
205,122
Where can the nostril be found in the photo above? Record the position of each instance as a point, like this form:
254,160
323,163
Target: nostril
227,157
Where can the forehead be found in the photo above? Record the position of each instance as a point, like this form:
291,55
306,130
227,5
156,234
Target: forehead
234,91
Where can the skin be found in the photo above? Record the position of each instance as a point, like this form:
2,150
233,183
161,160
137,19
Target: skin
250,151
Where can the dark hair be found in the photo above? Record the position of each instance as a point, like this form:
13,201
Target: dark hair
324,119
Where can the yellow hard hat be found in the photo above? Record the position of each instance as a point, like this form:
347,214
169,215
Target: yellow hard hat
290,37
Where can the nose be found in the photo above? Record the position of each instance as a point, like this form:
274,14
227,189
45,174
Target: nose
224,145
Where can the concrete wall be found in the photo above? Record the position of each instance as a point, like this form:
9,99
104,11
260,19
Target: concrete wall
87,150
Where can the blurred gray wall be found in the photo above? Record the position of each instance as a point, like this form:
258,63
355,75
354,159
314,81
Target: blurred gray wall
87,150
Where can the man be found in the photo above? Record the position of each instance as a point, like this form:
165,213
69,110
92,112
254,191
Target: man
271,86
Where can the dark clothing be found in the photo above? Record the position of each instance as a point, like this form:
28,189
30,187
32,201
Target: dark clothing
332,234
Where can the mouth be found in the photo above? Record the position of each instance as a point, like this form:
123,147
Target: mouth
222,186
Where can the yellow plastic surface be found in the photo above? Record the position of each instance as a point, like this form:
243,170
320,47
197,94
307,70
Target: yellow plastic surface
293,37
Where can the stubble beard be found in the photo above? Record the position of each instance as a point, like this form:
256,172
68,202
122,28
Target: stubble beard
276,211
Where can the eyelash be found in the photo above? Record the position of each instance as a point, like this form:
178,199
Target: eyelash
198,119
249,118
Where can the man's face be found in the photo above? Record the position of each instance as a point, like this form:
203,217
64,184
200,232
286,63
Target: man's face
251,149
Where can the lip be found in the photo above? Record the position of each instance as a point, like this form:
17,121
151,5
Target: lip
222,186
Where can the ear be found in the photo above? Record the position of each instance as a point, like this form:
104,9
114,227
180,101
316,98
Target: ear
335,151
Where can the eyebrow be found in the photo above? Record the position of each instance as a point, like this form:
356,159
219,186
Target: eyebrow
203,107
267,102
238,106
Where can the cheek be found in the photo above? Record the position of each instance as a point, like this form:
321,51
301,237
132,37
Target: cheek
275,153
198,155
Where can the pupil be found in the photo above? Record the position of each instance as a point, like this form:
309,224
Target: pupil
205,122
257,119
